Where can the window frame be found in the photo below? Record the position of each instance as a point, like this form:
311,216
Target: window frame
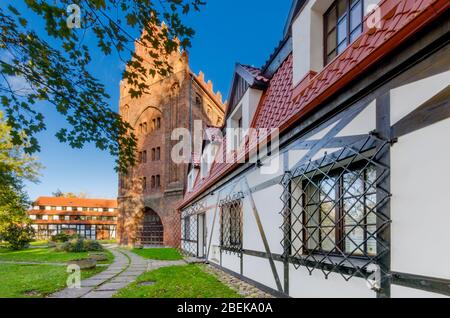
340,215
226,215
349,31
187,228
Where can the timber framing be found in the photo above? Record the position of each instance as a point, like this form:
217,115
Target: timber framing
424,56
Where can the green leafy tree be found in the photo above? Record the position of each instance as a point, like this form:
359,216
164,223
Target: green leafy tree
15,167
59,194
54,65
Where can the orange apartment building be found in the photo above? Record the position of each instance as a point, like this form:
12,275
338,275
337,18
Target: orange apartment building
90,218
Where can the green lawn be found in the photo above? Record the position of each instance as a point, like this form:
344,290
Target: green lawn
160,254
178,282
35,281
39,243
45,255
107,241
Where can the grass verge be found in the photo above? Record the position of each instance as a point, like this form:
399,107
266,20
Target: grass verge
159,254
188,281
45,255
35,281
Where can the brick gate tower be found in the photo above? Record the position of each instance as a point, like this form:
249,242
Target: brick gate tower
150,192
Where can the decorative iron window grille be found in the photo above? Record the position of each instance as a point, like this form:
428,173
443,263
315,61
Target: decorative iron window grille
231,224
189,237
333,211
187,228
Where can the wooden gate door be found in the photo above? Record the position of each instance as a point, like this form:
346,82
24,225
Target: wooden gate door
152,229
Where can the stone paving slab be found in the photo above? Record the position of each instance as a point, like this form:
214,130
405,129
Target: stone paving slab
91,282
99,294
71,292
123,279
132,273
113,286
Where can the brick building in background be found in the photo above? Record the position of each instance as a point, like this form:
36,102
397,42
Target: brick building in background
90,218
150,192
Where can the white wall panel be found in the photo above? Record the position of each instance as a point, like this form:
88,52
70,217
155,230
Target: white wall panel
302,285
420,203
269,206
407,98
259,269
231,262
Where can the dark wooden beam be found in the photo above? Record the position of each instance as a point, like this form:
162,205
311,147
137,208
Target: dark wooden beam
263,236
430,284
383,118
432,111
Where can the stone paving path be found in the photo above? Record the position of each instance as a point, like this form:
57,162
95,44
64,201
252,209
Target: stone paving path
126,268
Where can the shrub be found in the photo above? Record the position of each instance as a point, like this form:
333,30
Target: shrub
80,245
92,246
17,236
64,237
60,238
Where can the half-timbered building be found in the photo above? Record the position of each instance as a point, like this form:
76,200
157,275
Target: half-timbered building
349,198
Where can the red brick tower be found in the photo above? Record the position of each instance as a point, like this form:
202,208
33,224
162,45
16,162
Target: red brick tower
151,191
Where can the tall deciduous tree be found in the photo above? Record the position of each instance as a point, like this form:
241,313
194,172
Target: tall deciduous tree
15,167
53,66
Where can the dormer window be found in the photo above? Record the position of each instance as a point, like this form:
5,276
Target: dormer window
240,127
204,166
343,23
191,179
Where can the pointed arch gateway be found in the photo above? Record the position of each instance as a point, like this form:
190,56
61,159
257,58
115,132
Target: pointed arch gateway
151,230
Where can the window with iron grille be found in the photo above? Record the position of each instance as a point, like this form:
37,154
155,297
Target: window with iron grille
338,212
187,228
334,210
231,225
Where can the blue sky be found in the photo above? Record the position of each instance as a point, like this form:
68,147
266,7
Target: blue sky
226,32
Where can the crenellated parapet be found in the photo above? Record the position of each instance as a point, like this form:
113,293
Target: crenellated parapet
208,86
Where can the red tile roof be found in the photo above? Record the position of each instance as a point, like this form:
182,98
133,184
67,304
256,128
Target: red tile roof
76,202
400,20
279,108
255,72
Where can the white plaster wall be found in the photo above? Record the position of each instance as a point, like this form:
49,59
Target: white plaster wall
302,285
420,209
269,205
369,3
407,98
254,96
231,262
307,39
212,226
405,292
259,270
364,123
248,105
272,168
